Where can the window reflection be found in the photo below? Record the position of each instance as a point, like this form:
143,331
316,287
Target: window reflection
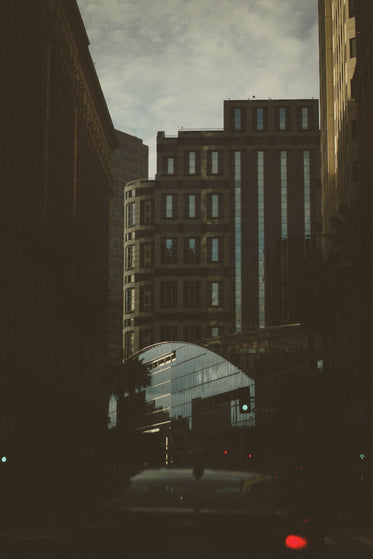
195,373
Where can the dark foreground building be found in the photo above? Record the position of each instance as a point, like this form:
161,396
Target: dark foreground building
216,243
55,192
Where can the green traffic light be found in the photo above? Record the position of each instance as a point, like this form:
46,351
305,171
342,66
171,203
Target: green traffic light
3,459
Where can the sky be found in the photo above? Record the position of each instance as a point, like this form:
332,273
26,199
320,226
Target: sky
168,64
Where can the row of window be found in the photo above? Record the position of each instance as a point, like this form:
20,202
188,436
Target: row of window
169,332
169,253
170,208
192,206
169,295
192,163
260,119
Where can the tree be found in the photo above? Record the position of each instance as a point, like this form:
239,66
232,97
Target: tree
129,377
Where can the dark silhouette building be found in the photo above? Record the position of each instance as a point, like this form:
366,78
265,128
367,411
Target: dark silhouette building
363,87
338,122
216,242
56,188
130,162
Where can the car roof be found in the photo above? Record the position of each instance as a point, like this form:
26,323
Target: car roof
159,474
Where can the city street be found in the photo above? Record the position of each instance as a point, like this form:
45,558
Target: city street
345,543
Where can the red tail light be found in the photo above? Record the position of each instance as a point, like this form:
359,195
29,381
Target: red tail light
293,541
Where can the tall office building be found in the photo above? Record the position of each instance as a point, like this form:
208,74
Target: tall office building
338,122
216,242
129,162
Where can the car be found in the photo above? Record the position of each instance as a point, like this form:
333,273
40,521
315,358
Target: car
199,513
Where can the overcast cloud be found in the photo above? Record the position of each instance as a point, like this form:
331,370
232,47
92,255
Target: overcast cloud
164,64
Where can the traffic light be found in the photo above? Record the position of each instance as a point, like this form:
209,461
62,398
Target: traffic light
245,405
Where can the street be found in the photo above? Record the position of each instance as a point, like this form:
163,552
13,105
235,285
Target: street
343,543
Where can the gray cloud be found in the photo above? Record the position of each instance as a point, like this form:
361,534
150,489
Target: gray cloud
164,64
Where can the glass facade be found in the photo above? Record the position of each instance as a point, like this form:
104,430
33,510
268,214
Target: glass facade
261,255
237,240
182,372
284,195
307,193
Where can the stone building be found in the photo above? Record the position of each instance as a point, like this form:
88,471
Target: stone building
129,162
338,113
215,244
56,189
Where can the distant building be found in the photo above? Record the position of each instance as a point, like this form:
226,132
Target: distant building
129,162
215,244
338,114
56,187
194,402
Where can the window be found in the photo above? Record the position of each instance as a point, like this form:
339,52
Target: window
214,206
260,118
146,255
192,162
214,162
129,300
215,249
304,122
192,250
146,212
130,214
192,333
168,332
170,165
237,119
169,206
215,293
130,257
169,250
146,298
282,118
146,338
129,343
192,294
168,294
353,47
284,194
192,206
214,331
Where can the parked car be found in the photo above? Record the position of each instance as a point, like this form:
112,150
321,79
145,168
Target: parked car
209,514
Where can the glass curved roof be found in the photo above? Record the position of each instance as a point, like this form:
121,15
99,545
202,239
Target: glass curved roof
184,375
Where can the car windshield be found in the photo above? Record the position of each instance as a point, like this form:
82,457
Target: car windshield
250,494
